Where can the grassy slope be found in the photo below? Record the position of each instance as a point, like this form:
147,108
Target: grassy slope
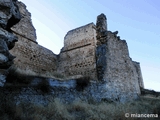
79,110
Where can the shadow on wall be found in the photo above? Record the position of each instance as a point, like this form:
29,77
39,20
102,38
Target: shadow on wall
82,83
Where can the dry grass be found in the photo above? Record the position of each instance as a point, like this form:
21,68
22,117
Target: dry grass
54,75
79,110
29,72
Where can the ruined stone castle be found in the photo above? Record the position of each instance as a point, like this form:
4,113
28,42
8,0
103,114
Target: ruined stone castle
90,50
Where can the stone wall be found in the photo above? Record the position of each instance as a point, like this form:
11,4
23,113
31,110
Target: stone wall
77,57
30,56
121,75
120,71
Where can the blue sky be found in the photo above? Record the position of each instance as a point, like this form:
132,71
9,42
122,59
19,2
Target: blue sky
138,22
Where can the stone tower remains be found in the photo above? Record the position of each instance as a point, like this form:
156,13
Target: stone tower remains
114,66
77,57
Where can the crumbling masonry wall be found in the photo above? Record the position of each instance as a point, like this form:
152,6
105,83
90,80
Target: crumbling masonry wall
77,57
30,56
34,58
122,76
90,50
120,71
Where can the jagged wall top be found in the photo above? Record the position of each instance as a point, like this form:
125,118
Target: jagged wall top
76,35
25,27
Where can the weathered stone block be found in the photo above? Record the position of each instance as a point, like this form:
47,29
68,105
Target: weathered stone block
9,16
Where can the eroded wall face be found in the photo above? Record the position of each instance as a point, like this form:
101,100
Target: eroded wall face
78,55
101,30
120,71
30,56
33,57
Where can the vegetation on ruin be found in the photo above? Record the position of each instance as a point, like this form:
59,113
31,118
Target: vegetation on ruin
21,74
78,110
